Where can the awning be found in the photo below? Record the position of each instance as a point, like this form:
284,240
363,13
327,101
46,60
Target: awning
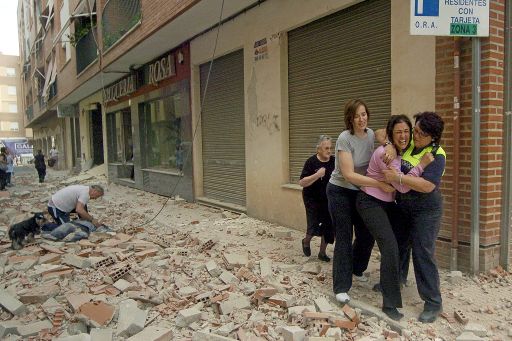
47,77
54,72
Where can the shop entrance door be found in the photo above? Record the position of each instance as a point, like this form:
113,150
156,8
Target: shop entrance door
97,136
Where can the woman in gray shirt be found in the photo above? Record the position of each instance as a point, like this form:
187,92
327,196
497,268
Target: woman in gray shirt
354,149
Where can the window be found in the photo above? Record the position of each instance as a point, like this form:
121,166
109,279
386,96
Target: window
9,126
10,72
11,90
119,134
13,107
161,133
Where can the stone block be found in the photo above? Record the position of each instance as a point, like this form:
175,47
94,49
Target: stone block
283,300
187,291
12,304
323,305
131,318
76,300
77,328
293,333
153,333
122,285
320,338
234,303
187,316
311,268
468,336
454,277
298,310
235,260
266,268
228,278
205,336
34,328
281,233
213,268
101,334
39,294
76,261
79,337
476,329
8,327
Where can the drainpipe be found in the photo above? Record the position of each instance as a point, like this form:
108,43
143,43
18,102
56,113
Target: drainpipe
475,157
506,215
456,138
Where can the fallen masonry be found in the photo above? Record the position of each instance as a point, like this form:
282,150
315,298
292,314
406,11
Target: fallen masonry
198,277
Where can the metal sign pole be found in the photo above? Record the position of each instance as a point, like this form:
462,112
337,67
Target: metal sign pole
475,158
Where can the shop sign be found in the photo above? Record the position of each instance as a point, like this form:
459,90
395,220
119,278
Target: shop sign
162,69
122,88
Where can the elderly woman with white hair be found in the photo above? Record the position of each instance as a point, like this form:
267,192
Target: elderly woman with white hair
314,178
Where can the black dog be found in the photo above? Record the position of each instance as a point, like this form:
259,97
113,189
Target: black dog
27,228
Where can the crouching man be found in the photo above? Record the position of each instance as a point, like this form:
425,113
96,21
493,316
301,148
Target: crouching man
74,199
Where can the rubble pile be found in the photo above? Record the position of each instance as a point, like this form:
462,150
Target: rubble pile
211,275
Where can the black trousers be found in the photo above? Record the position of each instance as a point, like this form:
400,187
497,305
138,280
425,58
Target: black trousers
349,258
3,180
42,173
319,220
375,214
421,213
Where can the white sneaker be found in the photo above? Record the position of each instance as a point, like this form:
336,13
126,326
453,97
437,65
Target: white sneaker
342,297
361,278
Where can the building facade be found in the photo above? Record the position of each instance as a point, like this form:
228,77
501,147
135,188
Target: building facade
12,123
223,108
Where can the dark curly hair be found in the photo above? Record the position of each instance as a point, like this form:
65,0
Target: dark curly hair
431,124
350,112
395,119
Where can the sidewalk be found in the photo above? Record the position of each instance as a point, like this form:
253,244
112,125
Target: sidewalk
197,273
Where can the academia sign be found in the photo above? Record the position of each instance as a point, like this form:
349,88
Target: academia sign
450,17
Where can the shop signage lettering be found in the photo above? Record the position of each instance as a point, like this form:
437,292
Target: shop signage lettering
122,88
162,69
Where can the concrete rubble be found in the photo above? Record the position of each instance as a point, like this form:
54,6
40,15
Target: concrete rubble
198,273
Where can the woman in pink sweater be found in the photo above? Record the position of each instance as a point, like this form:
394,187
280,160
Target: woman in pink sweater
376,206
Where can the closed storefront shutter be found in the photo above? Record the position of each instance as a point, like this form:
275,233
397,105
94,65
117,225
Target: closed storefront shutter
343,56
223,129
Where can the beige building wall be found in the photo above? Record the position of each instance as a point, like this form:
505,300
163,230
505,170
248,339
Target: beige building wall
11,110
269,195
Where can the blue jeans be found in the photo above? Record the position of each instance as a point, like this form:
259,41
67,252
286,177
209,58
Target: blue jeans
422,215
348,258
66,229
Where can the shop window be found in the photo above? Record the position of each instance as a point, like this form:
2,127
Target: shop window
161,133
119,135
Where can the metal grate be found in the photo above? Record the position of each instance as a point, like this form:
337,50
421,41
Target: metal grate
118,17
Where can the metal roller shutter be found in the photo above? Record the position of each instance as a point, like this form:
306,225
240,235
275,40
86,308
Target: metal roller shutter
223,129
342,56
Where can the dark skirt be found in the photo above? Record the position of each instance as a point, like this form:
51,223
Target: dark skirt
319,220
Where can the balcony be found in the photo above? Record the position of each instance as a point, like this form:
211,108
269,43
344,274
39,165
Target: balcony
118,18
86,51
29,113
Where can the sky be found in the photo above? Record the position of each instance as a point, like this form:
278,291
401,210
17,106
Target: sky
9,27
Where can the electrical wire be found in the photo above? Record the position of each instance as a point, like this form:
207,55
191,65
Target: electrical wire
194,134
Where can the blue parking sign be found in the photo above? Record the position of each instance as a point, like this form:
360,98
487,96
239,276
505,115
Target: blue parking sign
426,8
